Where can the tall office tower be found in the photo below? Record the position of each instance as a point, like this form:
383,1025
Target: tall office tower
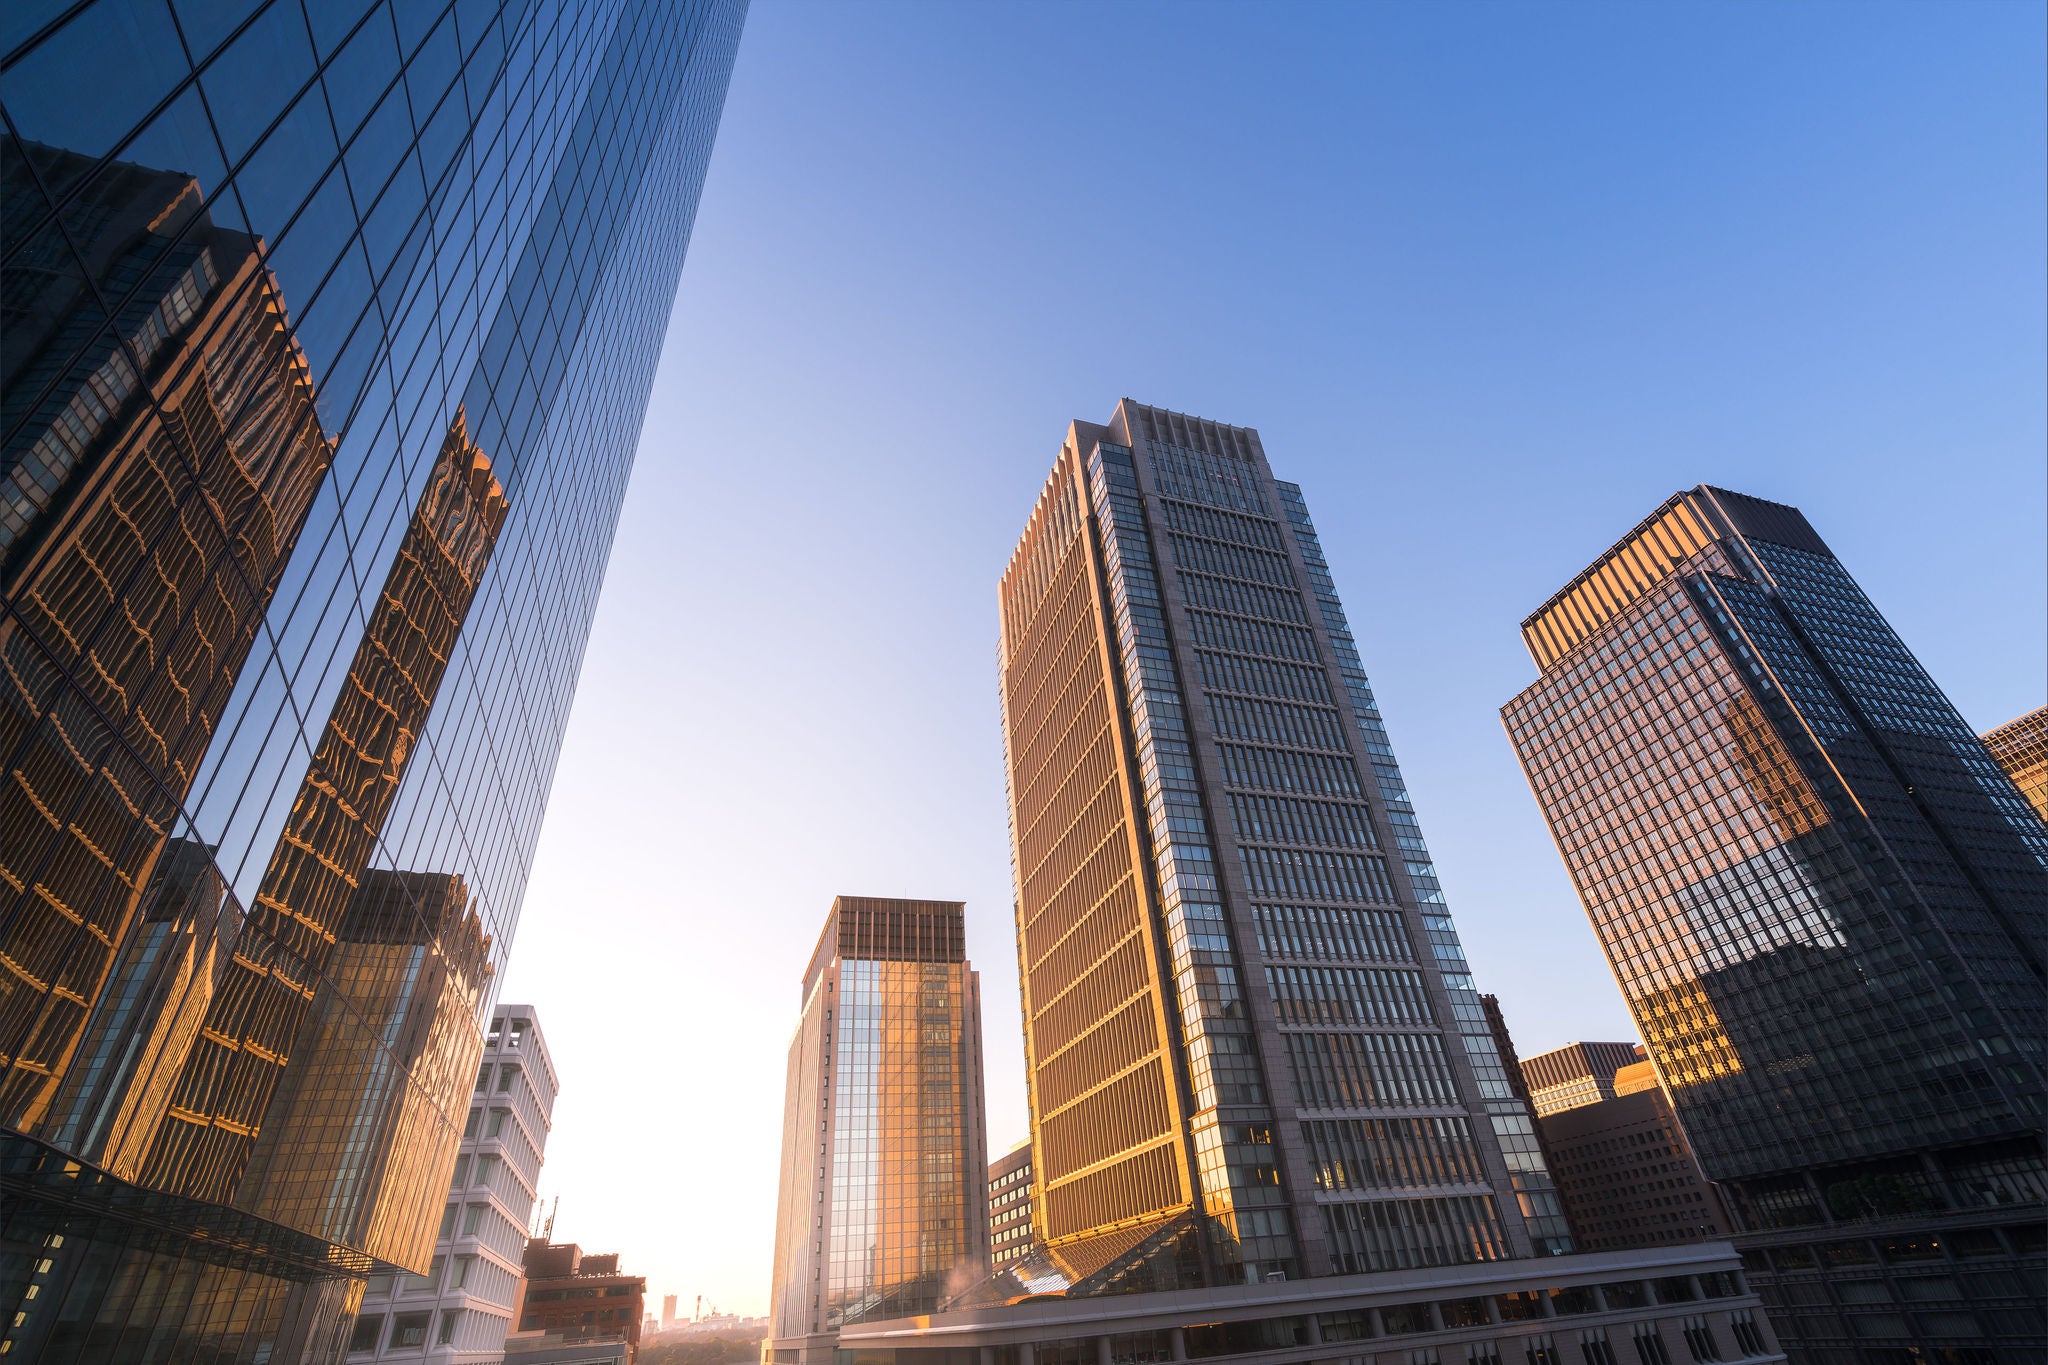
1824,903
1575,1074
325,337
668,1311
2021,748
881,1211
1010,1237
1253,1045
460,1310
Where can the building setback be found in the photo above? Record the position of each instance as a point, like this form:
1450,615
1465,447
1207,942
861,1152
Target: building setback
1575,1074
1253,1046
460,1311
1009,1207
1824,903
2020,747
881,1209
326,352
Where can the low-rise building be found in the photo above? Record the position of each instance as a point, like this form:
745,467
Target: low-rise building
583,1299
459,1312
1009,1207
1666,1306
1627,1173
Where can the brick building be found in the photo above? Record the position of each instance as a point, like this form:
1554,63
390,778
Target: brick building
581,1298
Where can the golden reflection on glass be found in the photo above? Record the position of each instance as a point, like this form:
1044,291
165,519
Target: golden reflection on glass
149,502
295,933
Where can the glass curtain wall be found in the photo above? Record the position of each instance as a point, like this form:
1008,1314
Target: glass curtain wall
328,330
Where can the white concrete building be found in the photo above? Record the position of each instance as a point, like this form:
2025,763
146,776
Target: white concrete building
459,1312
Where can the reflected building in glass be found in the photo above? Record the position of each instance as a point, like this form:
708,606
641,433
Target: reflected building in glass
1253,1044
1825,904
328,331
881,1211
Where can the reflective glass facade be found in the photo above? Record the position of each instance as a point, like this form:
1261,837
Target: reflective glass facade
1253,1043
882,1212
326,331
1825,906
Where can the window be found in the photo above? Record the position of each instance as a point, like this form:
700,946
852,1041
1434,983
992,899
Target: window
379,1285
1650,1346
471,1216
430,1280
364,1337
1699,1339
506,1075
469,1128
1626,1294
498,1117
408,1329
463,1265
1463,1312
1747,1334
450,1319
483,1077
448,1221
461,1177
1541,1351
1406,1317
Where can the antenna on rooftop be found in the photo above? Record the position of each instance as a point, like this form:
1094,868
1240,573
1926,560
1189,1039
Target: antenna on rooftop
547,1230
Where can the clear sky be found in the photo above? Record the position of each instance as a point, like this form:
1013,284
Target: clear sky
1492,282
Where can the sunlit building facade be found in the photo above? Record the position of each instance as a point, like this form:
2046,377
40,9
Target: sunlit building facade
1824,903
1253,1045
881,1210
2021,748
459,1311
1010,1235
328,331
1575,1074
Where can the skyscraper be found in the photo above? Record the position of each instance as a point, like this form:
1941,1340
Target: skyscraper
327,334
881,1211
2020,747
1252,1042
1825,906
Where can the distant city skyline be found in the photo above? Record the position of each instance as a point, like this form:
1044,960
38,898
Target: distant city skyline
1502,287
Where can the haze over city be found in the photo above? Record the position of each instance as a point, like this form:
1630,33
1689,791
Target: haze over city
1490,284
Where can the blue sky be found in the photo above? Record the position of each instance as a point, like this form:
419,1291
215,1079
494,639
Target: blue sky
1492,282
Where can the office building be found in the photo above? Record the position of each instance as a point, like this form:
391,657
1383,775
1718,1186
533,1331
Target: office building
1628,1176
1824,903
328,333
1009,1207
2021,748
1575,1074
578,1300
1253,1045
881,1209
668,1312
460,1310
